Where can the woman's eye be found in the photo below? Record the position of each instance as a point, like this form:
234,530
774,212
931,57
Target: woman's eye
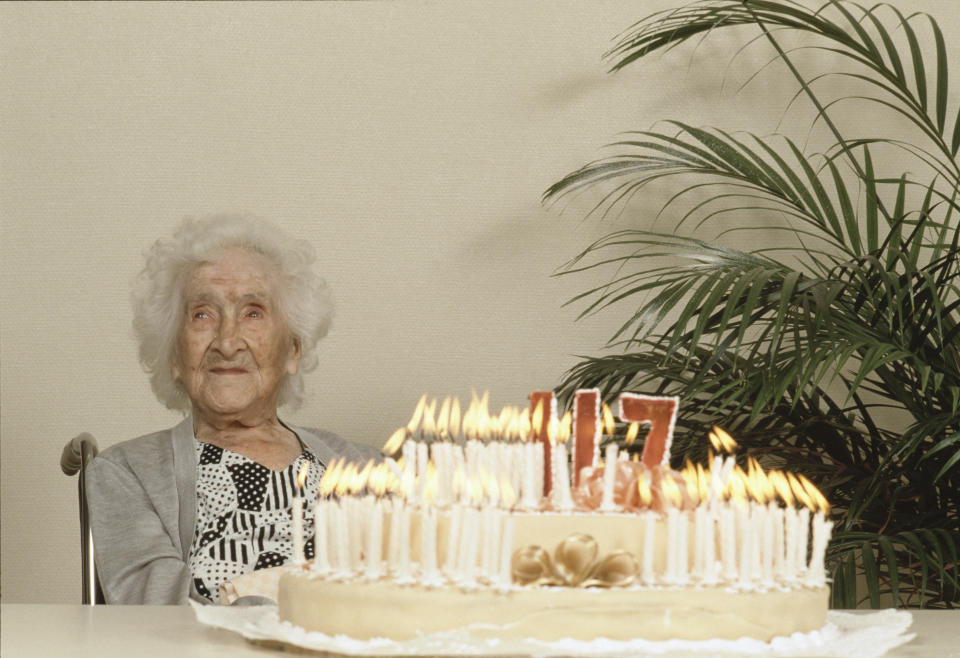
200,315
254,314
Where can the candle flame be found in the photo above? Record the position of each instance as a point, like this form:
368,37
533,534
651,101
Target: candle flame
703,482
566,427
721,441
429,424
819,500
643,488
331,476
553,430
799,493
443,420
671,491
690,480
632,433
609,426
417,415
536,420
782,486
524,425
736,488
395,442
302,475
455,418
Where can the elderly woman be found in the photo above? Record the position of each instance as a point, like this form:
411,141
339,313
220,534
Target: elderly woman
228,313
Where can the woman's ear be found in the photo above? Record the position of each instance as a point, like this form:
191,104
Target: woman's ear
293,361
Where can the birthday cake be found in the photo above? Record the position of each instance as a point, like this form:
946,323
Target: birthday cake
480,529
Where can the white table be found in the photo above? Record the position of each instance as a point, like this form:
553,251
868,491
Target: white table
30,630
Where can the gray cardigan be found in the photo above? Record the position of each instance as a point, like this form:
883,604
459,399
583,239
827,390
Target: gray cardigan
142,499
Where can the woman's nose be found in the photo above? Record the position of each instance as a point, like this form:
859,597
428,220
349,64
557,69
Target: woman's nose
228,340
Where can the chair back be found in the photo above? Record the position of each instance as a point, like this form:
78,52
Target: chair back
80,451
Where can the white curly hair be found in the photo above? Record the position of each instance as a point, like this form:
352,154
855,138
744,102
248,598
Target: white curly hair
304,298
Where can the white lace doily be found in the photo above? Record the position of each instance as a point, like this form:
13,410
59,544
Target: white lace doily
845,634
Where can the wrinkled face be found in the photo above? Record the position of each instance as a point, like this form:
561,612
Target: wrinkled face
233,349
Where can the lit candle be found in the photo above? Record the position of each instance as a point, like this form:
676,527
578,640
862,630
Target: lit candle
374,568
673,546
561,480
453,541
778,538
321,557
393,542
357,517
745,530
297,516
728,542
609,477
803,527
403,570
683,549
429,574
789,573
710,547
767,529
816,575
506,553
649,546
529,499
700,541
344,566
468,547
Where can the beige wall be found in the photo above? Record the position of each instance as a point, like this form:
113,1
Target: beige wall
410,142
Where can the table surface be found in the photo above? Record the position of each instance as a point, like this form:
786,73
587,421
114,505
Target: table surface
28,629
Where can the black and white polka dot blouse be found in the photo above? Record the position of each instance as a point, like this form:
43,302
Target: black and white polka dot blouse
244,517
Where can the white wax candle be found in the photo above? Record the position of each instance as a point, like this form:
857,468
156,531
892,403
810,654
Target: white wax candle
673,546
538,455
609,477
529,498
728,542
487,547
778,538
469,547
357,516
768,544
746,541
423,458
683,550
344,564
321,556
403,570
297,517
789,573
803,527
757,512
409,469
393,540
506,553
429,574
374,552
649,546
710,546
816,574
563,500
700,541
453,541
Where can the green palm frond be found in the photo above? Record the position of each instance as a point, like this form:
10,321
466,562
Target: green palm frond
801,345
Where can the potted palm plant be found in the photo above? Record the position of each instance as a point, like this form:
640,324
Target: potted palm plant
836,353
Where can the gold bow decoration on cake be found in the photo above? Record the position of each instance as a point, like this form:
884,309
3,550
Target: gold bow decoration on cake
575,564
